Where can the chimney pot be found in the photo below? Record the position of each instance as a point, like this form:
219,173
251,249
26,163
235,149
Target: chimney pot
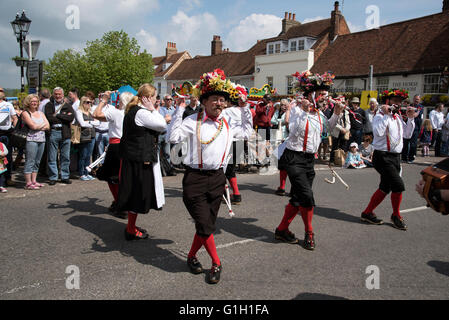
337,5
286,15
289,16
294,17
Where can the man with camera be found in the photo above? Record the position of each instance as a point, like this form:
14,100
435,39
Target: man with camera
389,130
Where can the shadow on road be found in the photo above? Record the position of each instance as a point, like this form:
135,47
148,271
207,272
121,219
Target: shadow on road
335,214
258,188
109,237
316,296
440,267
86,204
244,228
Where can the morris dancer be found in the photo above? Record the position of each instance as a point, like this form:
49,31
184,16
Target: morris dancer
109,171
306,126
389,130
141,186
209,135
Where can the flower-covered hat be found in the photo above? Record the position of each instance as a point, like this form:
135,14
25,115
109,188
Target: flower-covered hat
213,83
391,93
236,92
308,82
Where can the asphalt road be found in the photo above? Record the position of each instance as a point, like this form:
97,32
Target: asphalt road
44,232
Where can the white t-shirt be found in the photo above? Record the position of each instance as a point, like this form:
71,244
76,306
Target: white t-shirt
115,118
104,126
6,113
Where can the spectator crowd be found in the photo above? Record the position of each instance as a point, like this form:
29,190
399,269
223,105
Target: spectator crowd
66,133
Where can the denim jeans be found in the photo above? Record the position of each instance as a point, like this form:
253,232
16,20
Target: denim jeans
57,143
5,140
34,152
85,154
101,143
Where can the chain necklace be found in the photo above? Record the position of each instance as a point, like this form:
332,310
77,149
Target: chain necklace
198,130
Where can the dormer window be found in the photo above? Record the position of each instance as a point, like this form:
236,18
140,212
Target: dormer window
165,66
300,44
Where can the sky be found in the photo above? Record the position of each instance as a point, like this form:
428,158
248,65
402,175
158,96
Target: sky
190,24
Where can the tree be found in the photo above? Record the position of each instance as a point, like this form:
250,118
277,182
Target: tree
105,64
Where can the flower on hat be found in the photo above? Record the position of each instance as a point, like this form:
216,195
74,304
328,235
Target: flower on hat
212,81
395,93
308,82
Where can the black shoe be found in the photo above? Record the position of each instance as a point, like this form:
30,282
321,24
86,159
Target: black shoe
131,237
236,199
66,181
52,182
195,266
398,223
309,241
285,236
214,274
113,207
371,218
280,192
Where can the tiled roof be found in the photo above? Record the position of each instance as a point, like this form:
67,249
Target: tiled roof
413,46
173,59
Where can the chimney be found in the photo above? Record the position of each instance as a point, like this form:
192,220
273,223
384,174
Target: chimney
289,21
335,21
217,46
445,5
171,49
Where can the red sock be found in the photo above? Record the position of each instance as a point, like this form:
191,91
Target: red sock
234,186
307,215
283,177
196,245
209,244
376,199
396,199
131,228
114,190
289,215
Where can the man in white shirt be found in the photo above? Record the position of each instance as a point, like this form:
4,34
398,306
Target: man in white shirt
8,120
306,128
209,135
437,120
389,131
44,97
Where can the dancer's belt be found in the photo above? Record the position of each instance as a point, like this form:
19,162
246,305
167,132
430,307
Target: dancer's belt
203,172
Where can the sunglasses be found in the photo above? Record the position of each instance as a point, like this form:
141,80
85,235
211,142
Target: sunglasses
87,102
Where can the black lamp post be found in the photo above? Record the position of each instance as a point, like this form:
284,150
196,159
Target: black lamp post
21,26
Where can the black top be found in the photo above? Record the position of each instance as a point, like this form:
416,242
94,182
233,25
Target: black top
357,119
138,144
189,111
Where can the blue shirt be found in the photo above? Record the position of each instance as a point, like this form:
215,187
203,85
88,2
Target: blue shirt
164,111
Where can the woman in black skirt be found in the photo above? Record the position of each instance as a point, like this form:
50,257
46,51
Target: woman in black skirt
141,188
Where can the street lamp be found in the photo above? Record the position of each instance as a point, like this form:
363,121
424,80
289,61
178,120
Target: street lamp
21,26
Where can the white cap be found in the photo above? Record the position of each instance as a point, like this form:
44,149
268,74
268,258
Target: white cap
354,144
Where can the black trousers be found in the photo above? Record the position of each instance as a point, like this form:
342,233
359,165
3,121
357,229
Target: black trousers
388,165
301,172
202,195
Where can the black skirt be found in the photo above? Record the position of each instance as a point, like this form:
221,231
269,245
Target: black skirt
136,188
110,169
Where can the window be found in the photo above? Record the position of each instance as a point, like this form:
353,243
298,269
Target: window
349,85
382,84
293,46
277,48
432,84
270,49
270,81
290,85
300,45
159,87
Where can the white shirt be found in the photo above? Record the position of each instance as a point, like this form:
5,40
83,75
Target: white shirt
85,124
214,155
155,121
43,104
437,119
389,132
104,125
115,118
6,113
298,127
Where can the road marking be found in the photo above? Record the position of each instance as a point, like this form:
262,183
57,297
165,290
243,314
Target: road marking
414,209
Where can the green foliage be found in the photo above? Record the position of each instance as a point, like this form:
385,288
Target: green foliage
105,64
